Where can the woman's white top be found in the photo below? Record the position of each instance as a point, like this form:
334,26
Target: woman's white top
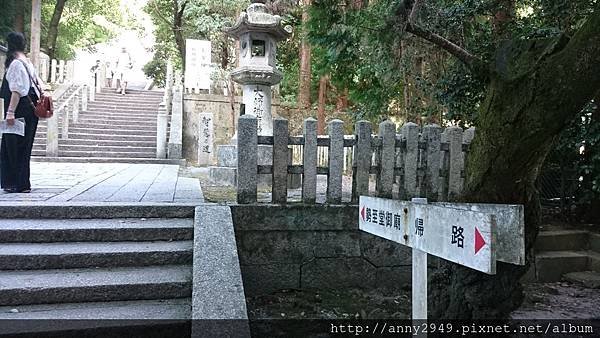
18,78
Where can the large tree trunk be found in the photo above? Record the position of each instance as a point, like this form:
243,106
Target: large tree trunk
537,87
19,22
305,69
177,28
321,107
53,28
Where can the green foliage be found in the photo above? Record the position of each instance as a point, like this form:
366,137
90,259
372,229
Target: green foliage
201,20
390,72
80,24
581,167
7,17
358,51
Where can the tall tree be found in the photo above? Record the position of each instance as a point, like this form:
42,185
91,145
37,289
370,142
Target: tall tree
173,22
53,28
305,64
534,85
177,27
322,101
19,21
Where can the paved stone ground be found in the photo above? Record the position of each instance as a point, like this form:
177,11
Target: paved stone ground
107,182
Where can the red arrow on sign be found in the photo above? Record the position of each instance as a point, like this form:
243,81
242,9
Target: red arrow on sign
479,241
362,213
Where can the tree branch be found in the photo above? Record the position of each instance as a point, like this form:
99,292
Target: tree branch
449,46
159,14
413,12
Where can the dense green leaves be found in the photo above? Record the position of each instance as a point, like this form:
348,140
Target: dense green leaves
83,24
201,20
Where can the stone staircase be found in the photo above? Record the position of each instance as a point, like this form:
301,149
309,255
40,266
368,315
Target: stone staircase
113,127
132,268
569,254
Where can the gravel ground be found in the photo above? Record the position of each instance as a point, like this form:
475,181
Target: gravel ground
560,300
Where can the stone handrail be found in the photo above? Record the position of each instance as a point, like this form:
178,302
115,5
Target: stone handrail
164,112
424,162
66,111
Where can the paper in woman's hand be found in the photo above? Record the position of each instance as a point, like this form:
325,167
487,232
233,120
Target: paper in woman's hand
17,128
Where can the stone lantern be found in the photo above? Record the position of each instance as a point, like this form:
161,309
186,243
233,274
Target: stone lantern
258,32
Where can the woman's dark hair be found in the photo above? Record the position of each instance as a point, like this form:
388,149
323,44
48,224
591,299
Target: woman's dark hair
15,42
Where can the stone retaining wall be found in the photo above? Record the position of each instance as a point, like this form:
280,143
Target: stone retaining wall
313,247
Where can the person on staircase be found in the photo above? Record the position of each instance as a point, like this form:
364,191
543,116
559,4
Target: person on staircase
123,68
20,96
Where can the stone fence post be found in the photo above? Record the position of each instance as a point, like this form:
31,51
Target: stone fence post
247,159
176,132
161,132
52,135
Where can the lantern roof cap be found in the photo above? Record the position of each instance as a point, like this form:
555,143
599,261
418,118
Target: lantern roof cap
257,18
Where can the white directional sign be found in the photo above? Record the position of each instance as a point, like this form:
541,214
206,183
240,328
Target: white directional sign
462,236
198,61
510,228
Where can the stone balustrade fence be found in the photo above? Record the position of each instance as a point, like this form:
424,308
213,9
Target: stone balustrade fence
60,71
73,100
420,162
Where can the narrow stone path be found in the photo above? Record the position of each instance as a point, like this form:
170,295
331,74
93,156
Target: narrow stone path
107,182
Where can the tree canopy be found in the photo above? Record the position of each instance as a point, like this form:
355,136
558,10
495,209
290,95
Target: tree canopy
392,69
82,23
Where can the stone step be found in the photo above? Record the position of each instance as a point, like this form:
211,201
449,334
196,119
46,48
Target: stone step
550,266
95,230
589,279
102,148
131,91
118,143
87,119
106,127
161,309
141,100
41,256
94,285
130,126
41,157
124,132
562,240
594,242
117,115
113,154
102,136
593,260
129,98
109,107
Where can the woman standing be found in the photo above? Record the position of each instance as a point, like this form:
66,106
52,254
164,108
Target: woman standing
19,97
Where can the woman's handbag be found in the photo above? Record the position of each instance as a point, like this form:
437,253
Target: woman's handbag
44,108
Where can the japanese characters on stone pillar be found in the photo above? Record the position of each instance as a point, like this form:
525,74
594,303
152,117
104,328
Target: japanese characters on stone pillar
258,32
205,139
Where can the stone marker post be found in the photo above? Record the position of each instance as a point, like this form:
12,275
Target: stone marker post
205,138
